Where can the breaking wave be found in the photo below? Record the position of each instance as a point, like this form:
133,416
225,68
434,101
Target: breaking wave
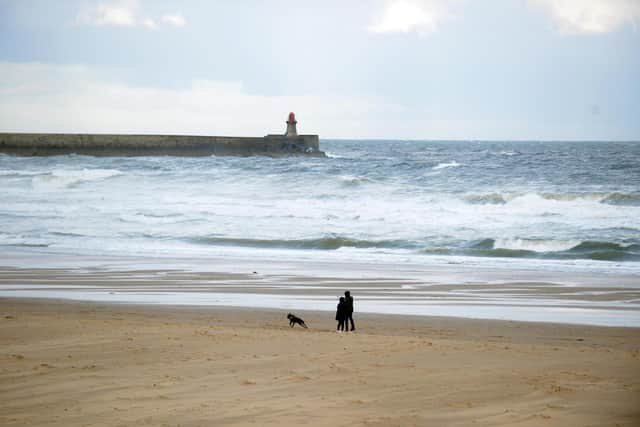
506,248
615,198
555,249
535,245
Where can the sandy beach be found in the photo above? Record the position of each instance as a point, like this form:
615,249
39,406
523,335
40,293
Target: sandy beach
84,364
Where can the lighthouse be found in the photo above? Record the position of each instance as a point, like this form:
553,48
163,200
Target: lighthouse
291,126
291,142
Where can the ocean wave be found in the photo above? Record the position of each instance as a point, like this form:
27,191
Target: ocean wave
156,218
624,199
70,178
7,239
17,173
452,164
495,248
352,181
535,245
570,197
623,166
486,199
605,251
553,249
590,245
607,198
322,243
66,234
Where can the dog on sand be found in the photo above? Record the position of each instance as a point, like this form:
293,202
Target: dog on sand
295,319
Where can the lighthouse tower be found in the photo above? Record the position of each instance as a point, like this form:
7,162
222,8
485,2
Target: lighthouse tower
291,126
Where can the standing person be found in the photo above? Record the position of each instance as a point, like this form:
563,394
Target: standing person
348,300
341,315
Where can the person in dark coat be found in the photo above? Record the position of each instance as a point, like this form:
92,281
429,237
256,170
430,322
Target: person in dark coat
341,315
348,300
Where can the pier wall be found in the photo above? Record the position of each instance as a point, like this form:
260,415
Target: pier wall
48,144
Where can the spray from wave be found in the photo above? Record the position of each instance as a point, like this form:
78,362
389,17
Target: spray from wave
441,166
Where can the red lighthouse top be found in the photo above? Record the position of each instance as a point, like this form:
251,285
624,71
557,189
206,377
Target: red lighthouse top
292,118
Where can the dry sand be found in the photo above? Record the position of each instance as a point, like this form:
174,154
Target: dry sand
81,364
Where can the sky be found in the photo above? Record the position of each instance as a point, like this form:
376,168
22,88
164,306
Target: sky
383,69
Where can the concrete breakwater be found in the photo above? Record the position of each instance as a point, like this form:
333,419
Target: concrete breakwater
49,144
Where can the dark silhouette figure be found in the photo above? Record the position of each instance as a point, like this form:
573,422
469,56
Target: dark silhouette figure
341,315
348,304
295,319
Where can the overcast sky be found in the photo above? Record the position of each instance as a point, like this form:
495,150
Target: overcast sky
399,69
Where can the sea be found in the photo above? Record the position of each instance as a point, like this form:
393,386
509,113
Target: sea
435,212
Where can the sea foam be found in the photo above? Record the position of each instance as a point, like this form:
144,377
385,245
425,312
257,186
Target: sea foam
534,245
68,178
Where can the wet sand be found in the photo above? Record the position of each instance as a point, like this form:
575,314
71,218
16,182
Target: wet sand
598,301
83,364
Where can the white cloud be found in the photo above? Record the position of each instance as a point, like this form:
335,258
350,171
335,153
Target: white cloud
175,20
405,16
591,16
570,16
116,13
38,97
125,13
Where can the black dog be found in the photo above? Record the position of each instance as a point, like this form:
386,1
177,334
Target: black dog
295,319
